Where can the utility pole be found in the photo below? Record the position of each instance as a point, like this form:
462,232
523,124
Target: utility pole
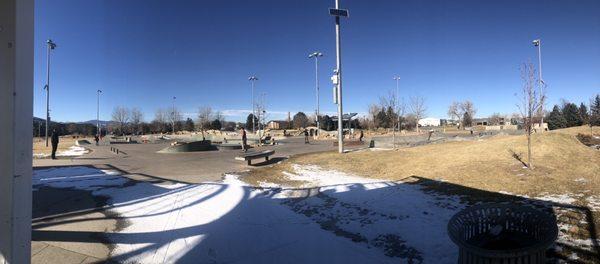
173,116
397,106
337,12
98,131
538,44
316,55
252,79
51,45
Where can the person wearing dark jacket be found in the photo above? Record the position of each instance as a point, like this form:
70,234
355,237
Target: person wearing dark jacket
306,136
244,140
54,141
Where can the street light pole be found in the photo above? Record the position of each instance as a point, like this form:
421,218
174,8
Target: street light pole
338,62
252,79
51,45
538,44
173,116
397,106
98,131
316,55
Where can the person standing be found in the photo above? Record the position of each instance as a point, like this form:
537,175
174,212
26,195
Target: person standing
306,136
54,141
244,140
97,139
360,137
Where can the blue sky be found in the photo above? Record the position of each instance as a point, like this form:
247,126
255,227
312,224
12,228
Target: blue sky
142,53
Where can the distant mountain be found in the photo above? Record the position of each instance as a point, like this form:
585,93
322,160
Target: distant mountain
93,122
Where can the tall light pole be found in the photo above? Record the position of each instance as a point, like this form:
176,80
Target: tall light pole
98,131
397,106
316,56
261,116
173,116
51,45
337,12
252,79
538,44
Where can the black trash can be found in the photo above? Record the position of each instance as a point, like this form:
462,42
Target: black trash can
502,233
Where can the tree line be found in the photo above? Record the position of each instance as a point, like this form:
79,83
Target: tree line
569,114
131,121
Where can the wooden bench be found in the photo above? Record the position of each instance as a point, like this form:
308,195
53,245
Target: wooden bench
255,155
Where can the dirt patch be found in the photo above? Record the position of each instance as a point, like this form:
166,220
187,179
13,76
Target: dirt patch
589,140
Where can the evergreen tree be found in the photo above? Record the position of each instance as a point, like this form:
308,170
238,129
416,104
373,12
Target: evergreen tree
381,119
300,120
583,114
571,114
249,121
216,124
556,119
467,119
595,112
189,125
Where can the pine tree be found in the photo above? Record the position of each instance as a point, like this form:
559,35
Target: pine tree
595,112
556,119
583,114
571,114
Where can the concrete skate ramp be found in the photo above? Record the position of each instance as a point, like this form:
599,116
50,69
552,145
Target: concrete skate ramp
224,146
82,142
203,145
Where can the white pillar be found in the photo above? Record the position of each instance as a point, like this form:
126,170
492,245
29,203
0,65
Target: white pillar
16,112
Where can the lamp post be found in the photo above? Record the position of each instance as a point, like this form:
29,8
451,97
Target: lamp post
51,45
252,79
538,44
397,106
173,116
98,131
316,56
337,12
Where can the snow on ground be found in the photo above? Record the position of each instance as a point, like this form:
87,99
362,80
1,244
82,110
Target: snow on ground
72,151
334,218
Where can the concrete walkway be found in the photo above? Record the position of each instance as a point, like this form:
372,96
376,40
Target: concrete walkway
138,162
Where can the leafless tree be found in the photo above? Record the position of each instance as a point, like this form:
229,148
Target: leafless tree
529,103
174,117
121,115
373,111
496,119
468,108
454,112
418,109
205,115
457,110
137,117
160,119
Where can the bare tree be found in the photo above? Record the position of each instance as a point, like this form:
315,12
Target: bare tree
205,114
137,117
418,109
459,110
174,117
373,111
455,112
529,104
496,119
121,115
468,109
160,118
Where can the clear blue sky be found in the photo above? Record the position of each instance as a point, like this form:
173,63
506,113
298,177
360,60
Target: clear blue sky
142,53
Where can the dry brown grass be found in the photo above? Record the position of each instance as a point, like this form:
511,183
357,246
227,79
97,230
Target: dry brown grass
559,160
578,130
39,144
